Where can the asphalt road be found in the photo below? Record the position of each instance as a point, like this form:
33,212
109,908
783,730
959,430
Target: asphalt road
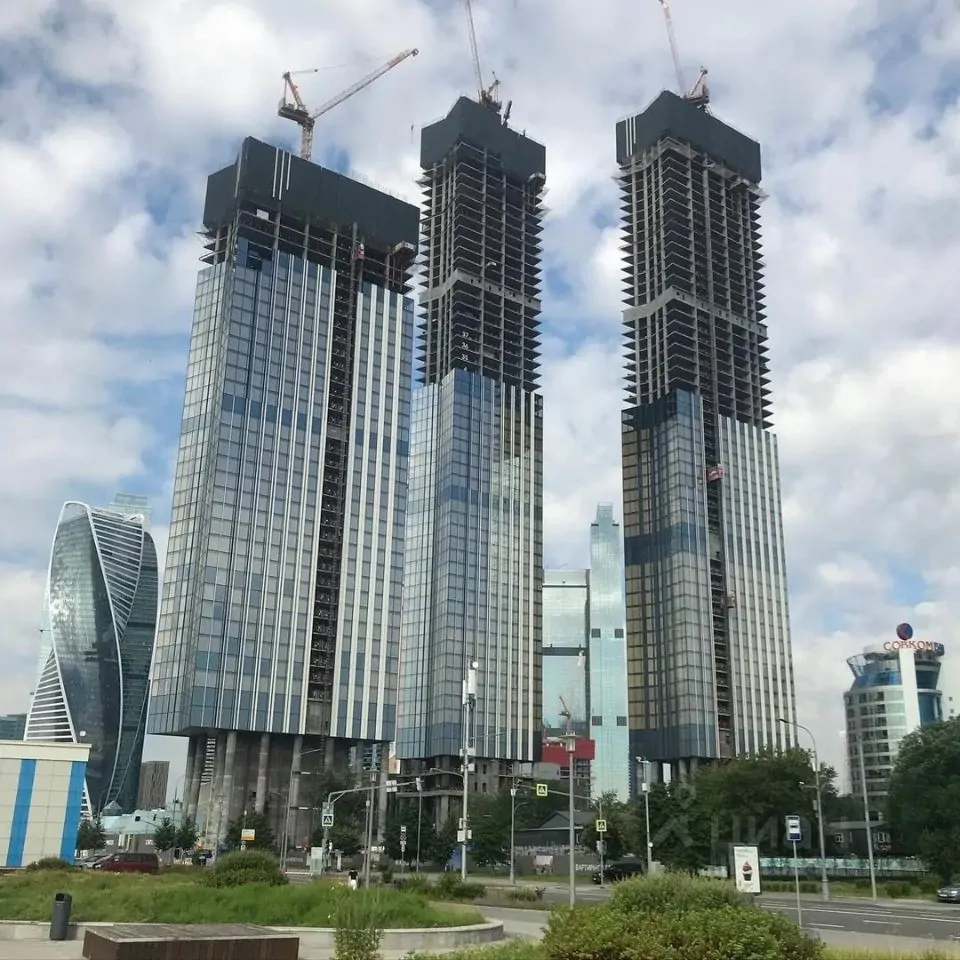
926,921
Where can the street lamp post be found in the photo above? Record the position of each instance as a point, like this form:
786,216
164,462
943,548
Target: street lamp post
419,816
866,819
824,879
645,789
469,702
513,827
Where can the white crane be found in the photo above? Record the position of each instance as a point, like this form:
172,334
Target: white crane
698,94
485,95
297,111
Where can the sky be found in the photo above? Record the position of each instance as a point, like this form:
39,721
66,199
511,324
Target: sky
112,113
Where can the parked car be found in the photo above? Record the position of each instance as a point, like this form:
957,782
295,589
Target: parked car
129,863
620,870
949,894
87,862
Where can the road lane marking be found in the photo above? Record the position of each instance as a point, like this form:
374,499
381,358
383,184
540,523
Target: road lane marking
787,908
826,926
889,923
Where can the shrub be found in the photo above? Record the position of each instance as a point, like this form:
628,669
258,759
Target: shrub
896,889
358,927
674,891
722,932
524,895
413,884
929,885
245,867
50,863
451,887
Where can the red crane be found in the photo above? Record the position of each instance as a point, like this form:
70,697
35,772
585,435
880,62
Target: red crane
297,111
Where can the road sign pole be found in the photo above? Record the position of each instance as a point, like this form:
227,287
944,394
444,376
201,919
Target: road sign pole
796,880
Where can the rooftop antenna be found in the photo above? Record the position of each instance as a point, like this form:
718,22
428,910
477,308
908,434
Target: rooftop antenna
699,93
487,96
297,111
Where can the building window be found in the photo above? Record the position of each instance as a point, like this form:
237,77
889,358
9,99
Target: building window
596,721
618,633
621,721
595,633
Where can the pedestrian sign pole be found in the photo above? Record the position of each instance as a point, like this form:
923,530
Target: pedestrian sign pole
403,846
795,836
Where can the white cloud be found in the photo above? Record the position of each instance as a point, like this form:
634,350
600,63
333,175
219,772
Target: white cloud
113,119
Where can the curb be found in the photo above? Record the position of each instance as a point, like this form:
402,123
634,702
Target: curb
404,939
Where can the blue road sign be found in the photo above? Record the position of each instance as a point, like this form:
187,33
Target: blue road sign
794,830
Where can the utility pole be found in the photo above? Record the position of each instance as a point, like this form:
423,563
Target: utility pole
645,789
570,740
469,705
513,827
866,818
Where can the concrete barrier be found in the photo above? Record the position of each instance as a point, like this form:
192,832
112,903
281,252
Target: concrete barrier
320,938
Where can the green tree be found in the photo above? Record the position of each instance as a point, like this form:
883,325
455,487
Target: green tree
91,835
164,835
187,835
624,833
923,803
490,826
264,838
681,826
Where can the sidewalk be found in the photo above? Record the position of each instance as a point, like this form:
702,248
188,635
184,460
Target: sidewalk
884,901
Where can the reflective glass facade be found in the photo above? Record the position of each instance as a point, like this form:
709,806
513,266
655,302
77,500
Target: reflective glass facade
894,692
472,587
708,642
100,623
566,602
608,658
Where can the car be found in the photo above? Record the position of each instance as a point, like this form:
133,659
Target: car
87,862
129,863
619,870
949,894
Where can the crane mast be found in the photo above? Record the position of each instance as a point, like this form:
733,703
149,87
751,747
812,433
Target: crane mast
699,93
296,110
485,95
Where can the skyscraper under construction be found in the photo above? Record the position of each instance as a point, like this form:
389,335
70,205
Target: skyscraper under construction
709,658
280,621
473,580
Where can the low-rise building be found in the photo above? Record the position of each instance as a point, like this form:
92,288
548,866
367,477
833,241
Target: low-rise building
41,798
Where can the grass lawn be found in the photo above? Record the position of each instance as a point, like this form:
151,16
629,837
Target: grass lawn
180,896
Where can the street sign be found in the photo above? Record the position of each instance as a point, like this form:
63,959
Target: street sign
248,836
601,826
542,790
403,832
326,820
794,830
403,846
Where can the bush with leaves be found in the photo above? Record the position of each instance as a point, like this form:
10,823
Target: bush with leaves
358,926
676,918
451,887
245,867
674,891
50,863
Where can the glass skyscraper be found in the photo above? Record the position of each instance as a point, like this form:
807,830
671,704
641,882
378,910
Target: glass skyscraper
474,537
708,642
100,617
608,657
280,622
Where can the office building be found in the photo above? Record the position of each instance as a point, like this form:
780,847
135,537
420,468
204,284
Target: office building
41,800
473,576
280,621
100,617
895,690
708,641
566,630
608,658
154,776
12,726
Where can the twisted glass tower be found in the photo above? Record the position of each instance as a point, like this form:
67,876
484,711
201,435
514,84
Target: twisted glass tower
708,641
100,618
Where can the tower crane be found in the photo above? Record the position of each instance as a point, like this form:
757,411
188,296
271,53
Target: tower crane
487,96
699,93
296,110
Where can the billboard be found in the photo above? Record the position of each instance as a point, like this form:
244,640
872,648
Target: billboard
746,869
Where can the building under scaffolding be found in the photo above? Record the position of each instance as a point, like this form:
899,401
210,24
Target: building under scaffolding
280,623
474,544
